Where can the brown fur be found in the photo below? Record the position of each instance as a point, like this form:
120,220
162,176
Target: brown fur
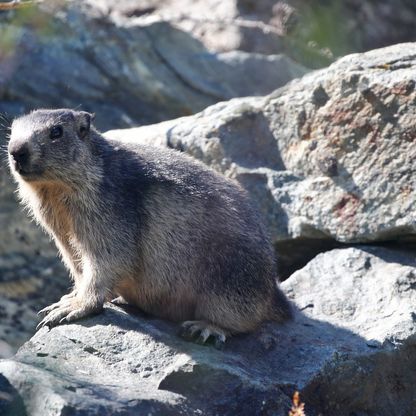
150,225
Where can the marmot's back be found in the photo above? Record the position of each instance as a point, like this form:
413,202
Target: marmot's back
151,225
203,243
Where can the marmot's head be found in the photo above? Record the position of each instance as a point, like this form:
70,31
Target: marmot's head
45,143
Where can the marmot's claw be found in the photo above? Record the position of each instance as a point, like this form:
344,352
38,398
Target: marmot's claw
63,301
66,313
205,331
119,301
49,308
54,317
219,344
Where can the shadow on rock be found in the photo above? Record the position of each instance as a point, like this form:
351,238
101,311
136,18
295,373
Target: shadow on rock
11,403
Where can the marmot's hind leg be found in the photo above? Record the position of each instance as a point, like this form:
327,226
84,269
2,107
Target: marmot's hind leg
201,331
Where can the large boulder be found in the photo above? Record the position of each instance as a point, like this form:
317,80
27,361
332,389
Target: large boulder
327,157
350,350
129,71
222,26
314,33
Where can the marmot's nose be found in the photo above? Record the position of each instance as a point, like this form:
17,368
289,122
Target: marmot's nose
20,156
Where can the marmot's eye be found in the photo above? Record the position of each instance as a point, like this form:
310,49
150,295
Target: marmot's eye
56,132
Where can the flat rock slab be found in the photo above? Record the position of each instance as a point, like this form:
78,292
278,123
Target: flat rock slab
350,350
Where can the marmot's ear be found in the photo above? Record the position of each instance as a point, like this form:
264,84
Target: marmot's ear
84,123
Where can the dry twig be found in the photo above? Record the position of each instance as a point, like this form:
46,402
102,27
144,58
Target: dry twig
298,408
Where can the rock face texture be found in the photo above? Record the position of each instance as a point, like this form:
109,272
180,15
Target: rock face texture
313,33
222,26
128,71
350,350
329,156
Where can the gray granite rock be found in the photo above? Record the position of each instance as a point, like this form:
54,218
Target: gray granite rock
221,25
351,350
314,33
128,71
329,156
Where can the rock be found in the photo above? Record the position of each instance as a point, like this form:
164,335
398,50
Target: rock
367,290
222,26
312,33
350,351
371,293
128,71
329,156
24,289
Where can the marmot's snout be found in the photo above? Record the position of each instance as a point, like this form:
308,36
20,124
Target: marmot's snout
20,157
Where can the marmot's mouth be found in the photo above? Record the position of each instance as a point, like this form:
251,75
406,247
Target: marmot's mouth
18,168
24,172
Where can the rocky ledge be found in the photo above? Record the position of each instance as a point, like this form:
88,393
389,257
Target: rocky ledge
351,350
329,156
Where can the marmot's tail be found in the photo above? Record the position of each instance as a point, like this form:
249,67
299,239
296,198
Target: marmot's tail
282,308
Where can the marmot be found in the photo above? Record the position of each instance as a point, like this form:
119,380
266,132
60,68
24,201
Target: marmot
147,224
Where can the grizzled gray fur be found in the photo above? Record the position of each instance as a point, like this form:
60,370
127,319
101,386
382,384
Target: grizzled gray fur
149,225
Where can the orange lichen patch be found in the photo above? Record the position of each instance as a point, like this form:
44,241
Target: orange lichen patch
347,206
340,116
349,112
306,131
403,87
383,66
406,190
409,135
298,408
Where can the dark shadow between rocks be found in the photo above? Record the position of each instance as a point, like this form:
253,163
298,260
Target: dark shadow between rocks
11,403
294,254
399,252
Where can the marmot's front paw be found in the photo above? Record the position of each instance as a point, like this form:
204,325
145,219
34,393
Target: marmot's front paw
190,329
68,310
63,301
